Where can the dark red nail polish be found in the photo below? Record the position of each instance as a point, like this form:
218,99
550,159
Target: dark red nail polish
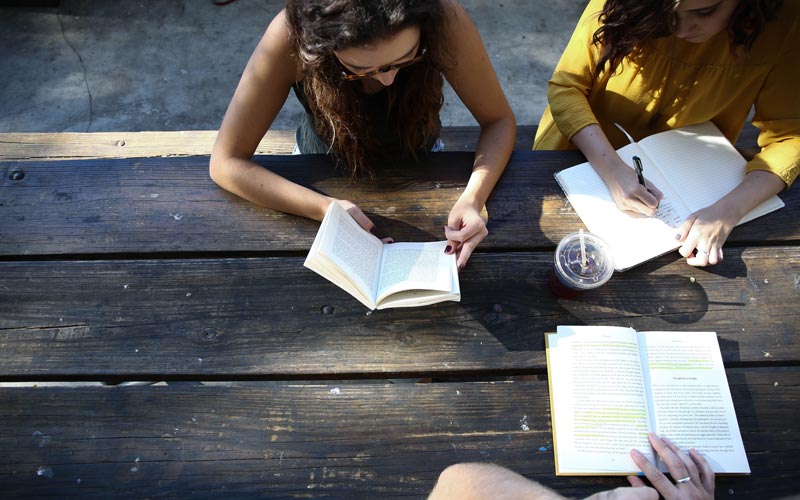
448,249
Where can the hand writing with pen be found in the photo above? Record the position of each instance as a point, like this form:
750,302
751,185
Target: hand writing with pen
630,191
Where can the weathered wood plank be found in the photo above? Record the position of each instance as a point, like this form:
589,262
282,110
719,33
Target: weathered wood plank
229,318
171,205
328,441
19,146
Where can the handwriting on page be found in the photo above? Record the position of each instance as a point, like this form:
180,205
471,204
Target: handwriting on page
668,213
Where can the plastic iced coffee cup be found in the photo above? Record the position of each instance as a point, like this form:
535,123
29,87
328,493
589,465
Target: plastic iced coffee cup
583,261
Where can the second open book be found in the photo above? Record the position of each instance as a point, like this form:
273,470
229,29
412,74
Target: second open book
610,386
693,166
381,275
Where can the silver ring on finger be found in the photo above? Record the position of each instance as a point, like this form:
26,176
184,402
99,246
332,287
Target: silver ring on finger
683,480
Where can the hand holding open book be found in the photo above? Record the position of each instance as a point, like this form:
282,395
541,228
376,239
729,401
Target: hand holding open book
694,167
381,275
611,386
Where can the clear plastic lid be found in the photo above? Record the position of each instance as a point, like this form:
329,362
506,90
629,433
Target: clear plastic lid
578,273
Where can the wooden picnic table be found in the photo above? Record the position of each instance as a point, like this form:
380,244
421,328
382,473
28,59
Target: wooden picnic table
270,382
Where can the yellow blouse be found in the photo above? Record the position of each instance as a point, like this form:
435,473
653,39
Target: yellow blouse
685,84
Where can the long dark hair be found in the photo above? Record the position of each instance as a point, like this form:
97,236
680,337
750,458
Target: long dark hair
320,27
626,26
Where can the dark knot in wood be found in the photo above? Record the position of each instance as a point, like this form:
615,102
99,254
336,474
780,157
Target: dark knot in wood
208,335
405,339
16,174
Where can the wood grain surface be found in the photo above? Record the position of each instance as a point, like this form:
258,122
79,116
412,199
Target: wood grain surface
266,317
328,440
273,382
159,205
19,146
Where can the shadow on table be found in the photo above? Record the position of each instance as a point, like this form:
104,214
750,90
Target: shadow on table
517,307
731,267
671,298
677,299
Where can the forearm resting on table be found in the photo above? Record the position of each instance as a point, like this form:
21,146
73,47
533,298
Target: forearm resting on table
756,188
254,183
491,157
477,481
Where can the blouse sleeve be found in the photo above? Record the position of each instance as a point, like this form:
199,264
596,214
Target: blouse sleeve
777,115
572,79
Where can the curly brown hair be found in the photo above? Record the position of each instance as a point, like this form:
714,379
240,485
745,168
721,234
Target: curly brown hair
320,27
626,26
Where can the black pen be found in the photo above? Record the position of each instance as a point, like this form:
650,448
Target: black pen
638,164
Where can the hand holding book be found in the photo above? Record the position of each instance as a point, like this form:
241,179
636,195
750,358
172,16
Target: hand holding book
381,275
611,387
705,231
360,217
691,473
465,229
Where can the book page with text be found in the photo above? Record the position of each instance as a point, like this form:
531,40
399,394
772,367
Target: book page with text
355,252
415,266
691,399
633,240
701,165
598,398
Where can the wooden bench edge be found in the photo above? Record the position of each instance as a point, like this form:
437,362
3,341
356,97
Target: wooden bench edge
37,146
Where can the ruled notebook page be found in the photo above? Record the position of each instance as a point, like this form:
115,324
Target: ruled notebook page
701,165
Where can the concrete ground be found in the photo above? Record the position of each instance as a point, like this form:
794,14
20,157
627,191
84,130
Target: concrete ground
95,65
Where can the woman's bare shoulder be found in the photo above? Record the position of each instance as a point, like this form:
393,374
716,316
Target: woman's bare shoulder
275,47
455,14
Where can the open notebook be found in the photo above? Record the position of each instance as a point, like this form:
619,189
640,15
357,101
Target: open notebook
693,166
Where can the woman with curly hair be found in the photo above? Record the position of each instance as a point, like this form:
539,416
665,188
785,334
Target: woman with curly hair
655,65
370,75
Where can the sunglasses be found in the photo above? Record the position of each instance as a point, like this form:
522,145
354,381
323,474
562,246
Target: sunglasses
348,75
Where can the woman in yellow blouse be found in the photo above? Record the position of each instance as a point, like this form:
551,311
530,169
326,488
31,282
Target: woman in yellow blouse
654,65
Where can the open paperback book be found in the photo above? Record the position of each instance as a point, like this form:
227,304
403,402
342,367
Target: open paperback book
610,386
693,166
381,275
